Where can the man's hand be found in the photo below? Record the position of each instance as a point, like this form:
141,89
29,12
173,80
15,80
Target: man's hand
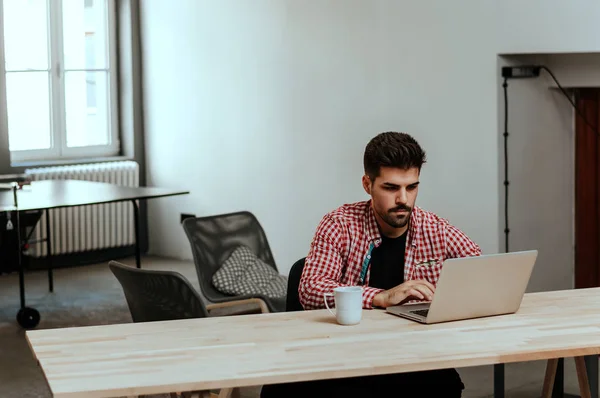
420,289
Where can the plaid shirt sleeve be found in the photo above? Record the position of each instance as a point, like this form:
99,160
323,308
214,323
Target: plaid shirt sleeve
459,245
324,266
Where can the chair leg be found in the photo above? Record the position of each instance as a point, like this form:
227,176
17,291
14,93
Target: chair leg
582,378
549,378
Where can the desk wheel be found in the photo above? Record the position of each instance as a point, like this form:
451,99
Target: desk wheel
28,318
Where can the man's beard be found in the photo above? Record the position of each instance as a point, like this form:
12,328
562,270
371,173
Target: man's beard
394,220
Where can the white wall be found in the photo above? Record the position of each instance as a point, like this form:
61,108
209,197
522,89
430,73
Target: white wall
547,26
267,106
541,141
541,154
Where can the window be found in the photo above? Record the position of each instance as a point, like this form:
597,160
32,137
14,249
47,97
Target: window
60,73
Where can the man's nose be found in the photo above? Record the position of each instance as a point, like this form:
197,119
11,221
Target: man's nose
402,197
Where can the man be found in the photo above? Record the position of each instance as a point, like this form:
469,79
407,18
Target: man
391,247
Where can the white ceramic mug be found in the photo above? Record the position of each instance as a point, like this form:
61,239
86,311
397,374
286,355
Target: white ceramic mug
348,304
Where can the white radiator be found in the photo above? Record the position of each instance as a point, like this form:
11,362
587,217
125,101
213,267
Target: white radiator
84,228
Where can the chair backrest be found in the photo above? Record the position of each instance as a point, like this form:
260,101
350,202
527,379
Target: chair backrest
292,302
213,238
158,295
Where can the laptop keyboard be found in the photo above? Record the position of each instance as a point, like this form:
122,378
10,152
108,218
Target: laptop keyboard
422,313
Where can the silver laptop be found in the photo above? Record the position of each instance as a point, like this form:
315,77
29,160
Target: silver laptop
474,287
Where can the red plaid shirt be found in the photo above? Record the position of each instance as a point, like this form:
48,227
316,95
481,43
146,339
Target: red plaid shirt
339,254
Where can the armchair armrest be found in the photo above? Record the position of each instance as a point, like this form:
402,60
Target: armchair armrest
234,303
270,303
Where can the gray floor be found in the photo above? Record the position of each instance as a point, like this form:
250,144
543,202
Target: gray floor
91,295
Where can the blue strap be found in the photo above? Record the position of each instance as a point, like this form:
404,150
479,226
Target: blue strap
365,265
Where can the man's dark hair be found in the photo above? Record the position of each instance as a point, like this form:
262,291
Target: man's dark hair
392,149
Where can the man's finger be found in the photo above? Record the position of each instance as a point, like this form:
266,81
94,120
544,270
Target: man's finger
425,291
424,288
416,293
426,283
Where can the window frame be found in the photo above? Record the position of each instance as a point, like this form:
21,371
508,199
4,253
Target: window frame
56,76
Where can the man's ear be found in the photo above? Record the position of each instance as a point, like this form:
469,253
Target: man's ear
366,181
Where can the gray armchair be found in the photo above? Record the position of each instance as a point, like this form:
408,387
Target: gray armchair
164,296
213,239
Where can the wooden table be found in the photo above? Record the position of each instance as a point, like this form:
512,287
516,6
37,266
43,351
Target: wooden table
202,354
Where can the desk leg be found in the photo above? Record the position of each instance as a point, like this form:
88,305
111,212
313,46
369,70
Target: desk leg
559,380
591,364
27,317
21,274
136,222
499,380
49,252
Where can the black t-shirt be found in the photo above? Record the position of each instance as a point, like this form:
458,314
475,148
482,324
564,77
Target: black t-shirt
387,263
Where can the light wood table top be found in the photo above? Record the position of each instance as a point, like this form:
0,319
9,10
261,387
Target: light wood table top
202,354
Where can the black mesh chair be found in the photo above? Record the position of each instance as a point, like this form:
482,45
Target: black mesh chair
292,302
165,296
213,238
158,295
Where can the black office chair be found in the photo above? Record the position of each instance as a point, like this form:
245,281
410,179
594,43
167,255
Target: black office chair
213,238
292,302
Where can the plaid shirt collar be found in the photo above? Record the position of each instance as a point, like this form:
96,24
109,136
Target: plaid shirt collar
372,228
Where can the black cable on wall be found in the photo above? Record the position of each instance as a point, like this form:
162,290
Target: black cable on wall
506,230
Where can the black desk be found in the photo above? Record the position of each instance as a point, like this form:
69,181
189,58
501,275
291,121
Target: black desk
53,194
